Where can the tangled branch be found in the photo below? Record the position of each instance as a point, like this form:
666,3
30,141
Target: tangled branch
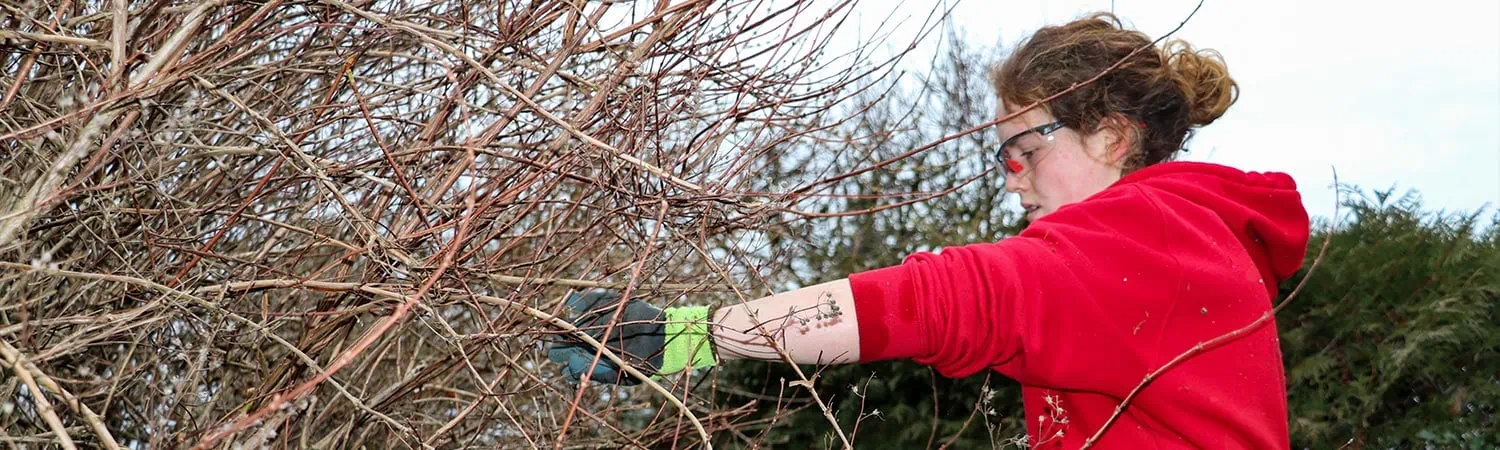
332,223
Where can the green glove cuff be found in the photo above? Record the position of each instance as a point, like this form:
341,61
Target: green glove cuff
689,345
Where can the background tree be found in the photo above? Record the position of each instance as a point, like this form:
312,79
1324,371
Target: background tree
1394,343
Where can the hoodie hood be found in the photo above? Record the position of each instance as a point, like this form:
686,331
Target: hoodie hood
1263,209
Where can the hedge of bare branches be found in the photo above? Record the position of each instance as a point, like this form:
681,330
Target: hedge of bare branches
345,223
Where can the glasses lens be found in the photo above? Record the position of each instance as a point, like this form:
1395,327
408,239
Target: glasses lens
1013,166
1027,142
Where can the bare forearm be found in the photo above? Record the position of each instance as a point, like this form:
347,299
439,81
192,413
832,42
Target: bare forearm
813,325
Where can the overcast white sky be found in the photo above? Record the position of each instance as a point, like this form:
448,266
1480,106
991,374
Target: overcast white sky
1402,94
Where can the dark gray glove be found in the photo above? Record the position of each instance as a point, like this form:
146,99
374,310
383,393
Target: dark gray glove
653,340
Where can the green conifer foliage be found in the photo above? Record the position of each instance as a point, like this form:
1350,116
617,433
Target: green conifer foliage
1394,342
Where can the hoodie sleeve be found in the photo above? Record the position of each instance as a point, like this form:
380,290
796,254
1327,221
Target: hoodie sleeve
1039,307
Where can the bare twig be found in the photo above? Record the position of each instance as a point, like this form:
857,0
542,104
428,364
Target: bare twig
14,357
43,406
376,208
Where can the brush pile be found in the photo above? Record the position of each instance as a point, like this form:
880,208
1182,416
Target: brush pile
350,224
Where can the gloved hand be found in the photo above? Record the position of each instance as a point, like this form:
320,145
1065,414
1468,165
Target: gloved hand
654,341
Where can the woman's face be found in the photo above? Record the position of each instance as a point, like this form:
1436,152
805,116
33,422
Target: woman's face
1056,168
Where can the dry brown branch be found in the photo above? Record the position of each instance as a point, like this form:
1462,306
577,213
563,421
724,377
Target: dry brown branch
34,375
43,406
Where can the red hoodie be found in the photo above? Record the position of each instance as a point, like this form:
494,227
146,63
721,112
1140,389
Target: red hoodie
1086,301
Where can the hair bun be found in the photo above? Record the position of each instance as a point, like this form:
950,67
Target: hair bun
1204,80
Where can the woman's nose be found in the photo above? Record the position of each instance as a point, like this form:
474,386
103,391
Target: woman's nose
1013,183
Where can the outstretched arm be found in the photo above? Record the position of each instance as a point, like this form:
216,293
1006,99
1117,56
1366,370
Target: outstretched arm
814,325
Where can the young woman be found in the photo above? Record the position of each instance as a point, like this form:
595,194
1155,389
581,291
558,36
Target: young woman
1130,260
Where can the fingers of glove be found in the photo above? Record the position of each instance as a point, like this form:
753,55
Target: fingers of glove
560,352
573,360
604,372
578,361
608,374
570,375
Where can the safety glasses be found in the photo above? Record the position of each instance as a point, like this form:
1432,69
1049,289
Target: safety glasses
1024,143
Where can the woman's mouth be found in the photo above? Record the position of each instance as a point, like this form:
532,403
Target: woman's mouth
1030,208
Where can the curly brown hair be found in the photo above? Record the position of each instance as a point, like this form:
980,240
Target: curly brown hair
1159,93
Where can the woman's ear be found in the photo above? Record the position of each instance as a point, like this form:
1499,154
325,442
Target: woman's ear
1119,137
1109,143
